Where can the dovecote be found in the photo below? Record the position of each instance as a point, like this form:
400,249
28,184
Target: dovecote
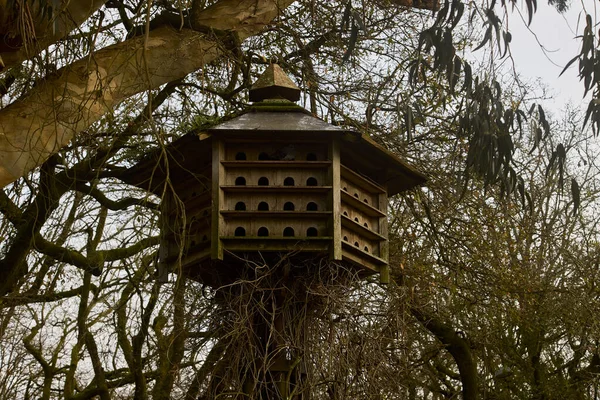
272,180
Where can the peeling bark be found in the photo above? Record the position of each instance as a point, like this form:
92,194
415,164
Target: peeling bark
48,29
33,129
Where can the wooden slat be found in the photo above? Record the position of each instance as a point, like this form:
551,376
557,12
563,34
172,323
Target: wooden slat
361,230
361,205
276,189
275,243
335,202
277,164
218,200
275,137
384,246
364,255
276,214
361,181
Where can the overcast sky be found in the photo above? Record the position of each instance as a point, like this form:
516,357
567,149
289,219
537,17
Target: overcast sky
556,34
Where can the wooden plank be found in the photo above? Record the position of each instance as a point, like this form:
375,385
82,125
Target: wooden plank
275,137
384,246
364,255
276,189
363,207
335,202
277,164
361,181
276,214
218,199
361,230
275,243
365,267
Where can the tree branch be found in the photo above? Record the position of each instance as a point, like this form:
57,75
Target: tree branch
457,347
38,126
47,30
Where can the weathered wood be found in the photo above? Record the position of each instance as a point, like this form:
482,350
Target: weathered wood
276,189
360,205
361,181
218,199
258,244
274,177
276,186
335,200
276,201
384,245
356,215
278,164
276,227
301,215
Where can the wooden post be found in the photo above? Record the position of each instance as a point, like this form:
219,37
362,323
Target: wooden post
335,199
384,246
218,200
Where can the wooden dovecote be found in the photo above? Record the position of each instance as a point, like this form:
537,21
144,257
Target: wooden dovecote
275,179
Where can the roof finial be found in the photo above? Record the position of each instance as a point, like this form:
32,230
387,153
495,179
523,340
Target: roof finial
274,84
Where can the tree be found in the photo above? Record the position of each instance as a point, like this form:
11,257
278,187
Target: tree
504,287
82,313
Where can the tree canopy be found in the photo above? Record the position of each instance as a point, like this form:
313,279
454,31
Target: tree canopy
494,262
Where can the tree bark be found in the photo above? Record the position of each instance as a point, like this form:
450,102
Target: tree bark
48,29
33,129
457,347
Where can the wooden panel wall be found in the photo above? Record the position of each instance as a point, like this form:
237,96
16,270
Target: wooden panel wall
258,196
277,150
186,219
364,220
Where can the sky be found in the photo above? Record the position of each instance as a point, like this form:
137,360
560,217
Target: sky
556,34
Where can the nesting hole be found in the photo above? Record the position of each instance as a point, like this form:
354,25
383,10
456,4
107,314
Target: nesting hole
240,231
240,206
263,206
289,181
356,244
312,206
263,156
263,181
288,232
240,181
366,249
311,157
345,238
345,189
263,231
289,206
356,195
311,181
312,231
366,201
366,225
356,219
240,156
346,213
205,238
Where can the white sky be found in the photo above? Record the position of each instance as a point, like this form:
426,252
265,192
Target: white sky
556,34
